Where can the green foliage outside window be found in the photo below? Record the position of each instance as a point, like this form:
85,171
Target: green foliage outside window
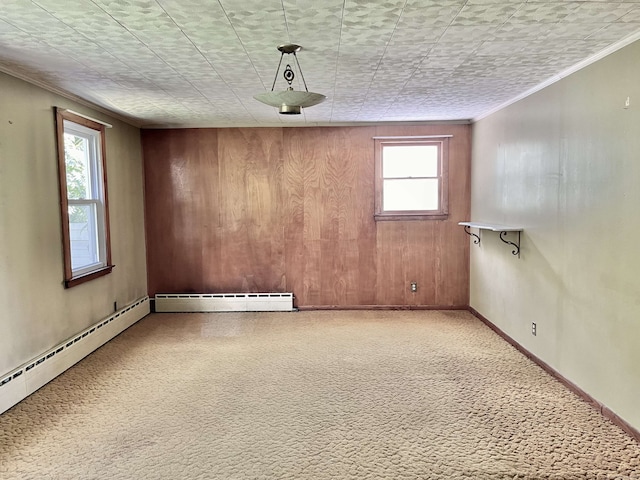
76,166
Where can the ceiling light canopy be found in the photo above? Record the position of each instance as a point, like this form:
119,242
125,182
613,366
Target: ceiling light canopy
290,101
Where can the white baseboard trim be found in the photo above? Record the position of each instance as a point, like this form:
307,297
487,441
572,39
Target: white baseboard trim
26,379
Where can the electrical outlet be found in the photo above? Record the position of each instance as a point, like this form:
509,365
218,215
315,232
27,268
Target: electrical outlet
534,328
414,287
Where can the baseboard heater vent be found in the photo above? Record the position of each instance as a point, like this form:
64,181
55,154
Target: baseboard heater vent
26,379
224,302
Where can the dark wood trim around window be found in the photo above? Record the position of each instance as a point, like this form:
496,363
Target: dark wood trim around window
408,215
443,212
69,279
88,276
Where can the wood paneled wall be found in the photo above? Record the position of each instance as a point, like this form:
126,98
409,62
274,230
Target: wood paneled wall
291,209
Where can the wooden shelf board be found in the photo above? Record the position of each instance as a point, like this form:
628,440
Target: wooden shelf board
491,226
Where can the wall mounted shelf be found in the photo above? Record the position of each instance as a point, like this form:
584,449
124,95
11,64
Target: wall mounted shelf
503,229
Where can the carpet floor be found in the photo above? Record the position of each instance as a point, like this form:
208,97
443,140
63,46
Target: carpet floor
310,395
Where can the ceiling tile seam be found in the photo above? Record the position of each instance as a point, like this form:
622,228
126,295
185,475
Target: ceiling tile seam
633,10
186,106
244,48
395,27
444,32
208,63
89,67
512,15
384,113
617,20
337,63
565,73
53,47
286,22
506,21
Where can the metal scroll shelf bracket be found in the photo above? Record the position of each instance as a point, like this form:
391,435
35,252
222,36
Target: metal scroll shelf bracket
504,231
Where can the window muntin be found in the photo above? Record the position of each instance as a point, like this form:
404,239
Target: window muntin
84,201
411,178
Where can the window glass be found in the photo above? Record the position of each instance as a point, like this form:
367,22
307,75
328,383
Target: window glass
410,161
76,155
84,234
413,194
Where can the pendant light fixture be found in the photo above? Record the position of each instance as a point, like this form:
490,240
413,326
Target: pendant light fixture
290,101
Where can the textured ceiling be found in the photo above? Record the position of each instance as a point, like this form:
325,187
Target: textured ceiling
199,62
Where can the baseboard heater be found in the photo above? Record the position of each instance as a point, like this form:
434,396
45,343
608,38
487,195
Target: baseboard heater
26,379
224,302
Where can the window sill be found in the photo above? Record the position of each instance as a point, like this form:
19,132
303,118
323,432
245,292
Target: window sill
383,217
72,282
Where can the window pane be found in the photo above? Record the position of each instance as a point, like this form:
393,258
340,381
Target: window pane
409,161
83,233
76,156
399,195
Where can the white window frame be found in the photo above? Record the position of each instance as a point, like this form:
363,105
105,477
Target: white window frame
442,212
94,133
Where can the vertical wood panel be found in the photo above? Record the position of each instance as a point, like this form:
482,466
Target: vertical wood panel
423,261
251,213
406,254
291,209
391,265
330,182
453,283
180,166
295,157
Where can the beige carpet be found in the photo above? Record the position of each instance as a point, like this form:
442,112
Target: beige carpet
313,395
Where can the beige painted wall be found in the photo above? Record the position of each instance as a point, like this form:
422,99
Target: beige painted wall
36,311
565,165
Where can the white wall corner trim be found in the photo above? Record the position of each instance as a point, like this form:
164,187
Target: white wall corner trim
29,377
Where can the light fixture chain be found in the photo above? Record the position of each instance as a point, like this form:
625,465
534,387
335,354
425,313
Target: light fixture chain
277,71
300,70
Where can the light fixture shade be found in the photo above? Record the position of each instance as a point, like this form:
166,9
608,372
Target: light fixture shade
290,98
